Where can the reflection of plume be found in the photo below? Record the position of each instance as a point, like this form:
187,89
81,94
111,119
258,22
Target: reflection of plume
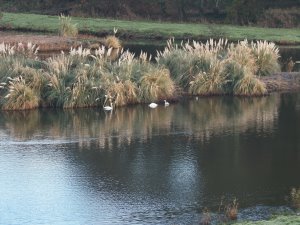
217,115
200,119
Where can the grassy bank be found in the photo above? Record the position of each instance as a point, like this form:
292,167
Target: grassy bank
154,30
281,220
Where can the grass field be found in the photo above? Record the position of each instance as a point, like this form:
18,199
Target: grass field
150,30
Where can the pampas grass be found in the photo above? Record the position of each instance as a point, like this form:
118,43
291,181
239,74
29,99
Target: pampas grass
249,86
66,27
219,67
87,78
156,85
20,96
266,55
210,82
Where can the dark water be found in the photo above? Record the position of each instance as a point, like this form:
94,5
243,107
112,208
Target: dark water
138,165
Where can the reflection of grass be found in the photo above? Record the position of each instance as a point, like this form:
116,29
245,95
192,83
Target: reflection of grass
22,125
150,29
213,116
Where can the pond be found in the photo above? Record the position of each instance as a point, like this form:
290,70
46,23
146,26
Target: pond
137,165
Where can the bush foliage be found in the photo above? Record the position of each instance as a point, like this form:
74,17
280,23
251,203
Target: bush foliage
88,78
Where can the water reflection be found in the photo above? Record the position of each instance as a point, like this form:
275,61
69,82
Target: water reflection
198,119
138,165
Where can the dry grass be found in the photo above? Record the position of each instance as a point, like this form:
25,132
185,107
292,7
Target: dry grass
249,86
20,96
266,56
156,85
66,27
210,82
84,77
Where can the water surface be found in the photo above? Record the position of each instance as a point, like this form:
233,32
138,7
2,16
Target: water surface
138,165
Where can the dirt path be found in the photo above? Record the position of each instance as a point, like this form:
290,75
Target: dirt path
47,43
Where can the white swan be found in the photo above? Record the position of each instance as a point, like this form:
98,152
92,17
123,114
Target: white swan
152,105
108,108
166,103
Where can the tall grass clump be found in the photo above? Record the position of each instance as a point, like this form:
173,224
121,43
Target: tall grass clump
66,27
241,69
90,78
249,86
114,46
213,68
156,85
20,96
212,81
187,60
266,55
181,64
21,77
59,78
14,56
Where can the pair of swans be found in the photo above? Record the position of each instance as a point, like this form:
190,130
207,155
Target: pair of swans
154,105
151,105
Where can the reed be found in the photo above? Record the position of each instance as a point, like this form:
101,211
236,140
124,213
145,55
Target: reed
20,96
266,55
249,86
87,78
84,89
156,85
241,54
210,82
59,79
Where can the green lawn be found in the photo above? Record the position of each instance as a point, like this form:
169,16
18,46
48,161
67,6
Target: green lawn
281,220
145,30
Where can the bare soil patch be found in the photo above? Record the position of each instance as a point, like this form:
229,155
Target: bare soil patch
45,42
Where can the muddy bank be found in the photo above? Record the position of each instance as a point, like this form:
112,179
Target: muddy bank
282,81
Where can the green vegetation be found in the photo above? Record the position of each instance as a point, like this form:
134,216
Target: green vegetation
90,78
218,68
142,29
281,220
279,13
